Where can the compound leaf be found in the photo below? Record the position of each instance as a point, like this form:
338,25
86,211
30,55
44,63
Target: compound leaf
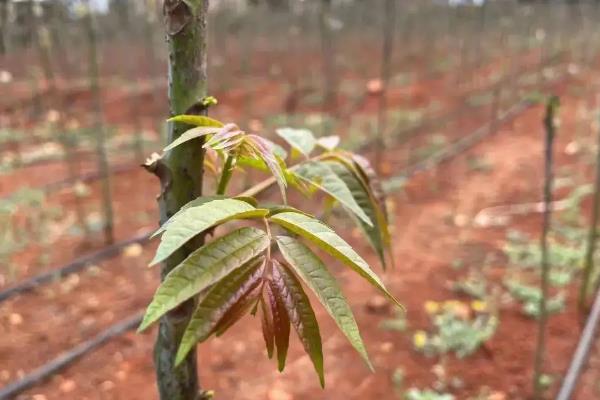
281,325
316,275
237,311
377,234
301,314
300,139
267,326
194,203
324,237
217,302
195,220
204,267
323,177
372,180
258,147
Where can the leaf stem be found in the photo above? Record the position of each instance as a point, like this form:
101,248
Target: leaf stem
268,229
270,181
267,273
225,174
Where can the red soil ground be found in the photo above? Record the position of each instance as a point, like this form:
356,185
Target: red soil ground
36,327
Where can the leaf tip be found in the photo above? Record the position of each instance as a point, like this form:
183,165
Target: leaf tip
142,327
181,355
369,363
157,232
154,261
398,304
367,220
146,322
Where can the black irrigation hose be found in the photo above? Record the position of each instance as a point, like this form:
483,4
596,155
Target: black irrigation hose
435,121
86,178
55,186
72,267
581,352
465,142
66,358
469,140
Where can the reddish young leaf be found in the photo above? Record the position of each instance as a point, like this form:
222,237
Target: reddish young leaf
264,149
281,325
217,302
238,310
301,315
267,326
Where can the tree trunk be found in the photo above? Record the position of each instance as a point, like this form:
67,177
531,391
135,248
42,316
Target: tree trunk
329,100
389,25
3,26
103,166
538,366
44,46
181,179
588,270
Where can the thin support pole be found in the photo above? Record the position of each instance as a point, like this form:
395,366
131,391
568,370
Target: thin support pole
551,108
592,236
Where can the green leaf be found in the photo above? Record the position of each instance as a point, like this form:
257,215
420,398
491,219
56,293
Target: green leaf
196,220
264,149
248,199
371,179
280,208
300,139
316,275
279,151
196,120
193,133
198,201
301,315
258,163
324,237
204,267
378,233
252,162
323,177
281,325
328,142
219,299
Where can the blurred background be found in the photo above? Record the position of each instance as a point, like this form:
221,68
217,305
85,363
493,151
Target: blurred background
446,98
